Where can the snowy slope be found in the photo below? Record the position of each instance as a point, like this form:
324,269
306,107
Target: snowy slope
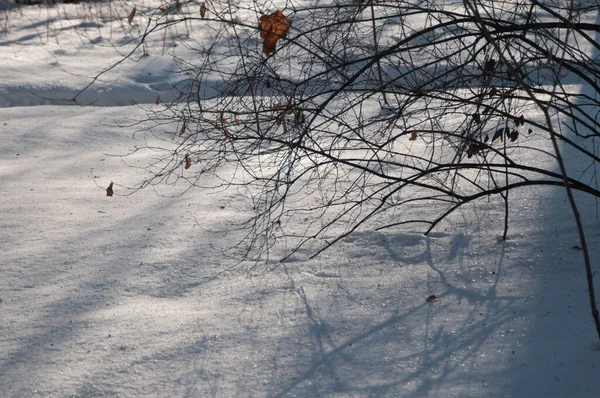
138,295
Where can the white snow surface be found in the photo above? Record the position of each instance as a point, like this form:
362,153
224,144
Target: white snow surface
131,296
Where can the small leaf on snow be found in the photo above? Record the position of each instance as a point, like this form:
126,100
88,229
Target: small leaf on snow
432,299
413,136
578,248
183,127
284,125
109,190
157,99
188,161
131,15
203,10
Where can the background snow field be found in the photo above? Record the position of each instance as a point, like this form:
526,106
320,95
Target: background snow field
139,295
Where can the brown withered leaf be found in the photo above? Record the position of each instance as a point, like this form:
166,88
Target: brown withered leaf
474,149
413,136
203,10
272,28
432,299
489,66
131,15
498,134
183,127
222,121
578,248
109,190
284,125
157,99
188,161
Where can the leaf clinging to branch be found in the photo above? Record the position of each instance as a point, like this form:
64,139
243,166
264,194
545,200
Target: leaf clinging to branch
272,28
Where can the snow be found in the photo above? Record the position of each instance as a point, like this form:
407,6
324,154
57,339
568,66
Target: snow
140,295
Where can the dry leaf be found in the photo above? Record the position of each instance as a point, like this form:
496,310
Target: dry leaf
222,120
203,10
413,136
284,125
131,15
432,299
109,190
300,118
498,135
578,248
272,28
183,126
188,161
157,99
489,66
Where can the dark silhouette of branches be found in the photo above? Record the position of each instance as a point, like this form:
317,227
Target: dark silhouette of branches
366,112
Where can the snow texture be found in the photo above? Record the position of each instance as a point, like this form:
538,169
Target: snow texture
131,296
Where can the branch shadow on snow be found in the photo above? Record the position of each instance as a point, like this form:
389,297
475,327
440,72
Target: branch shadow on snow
415,350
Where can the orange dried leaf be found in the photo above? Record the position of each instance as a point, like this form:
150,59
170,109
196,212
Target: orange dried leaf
413,136
157,99
183,126
109,190
203,10
131,15
188,161
272,28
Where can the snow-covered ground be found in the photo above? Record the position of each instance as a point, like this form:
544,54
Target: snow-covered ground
138,295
